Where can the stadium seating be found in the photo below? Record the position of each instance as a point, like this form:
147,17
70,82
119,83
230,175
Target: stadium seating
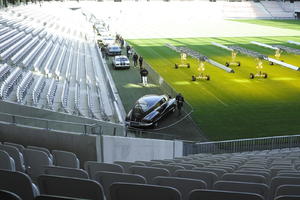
6,162
6,195
149,172
66,171
65,159
92,167
223,195
16,155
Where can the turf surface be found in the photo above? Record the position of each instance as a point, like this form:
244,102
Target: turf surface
286,24
230,105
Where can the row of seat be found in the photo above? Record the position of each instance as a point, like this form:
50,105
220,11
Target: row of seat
37,90
23,86
8,84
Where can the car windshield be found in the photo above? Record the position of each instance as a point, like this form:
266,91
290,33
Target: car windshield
114,48
122,59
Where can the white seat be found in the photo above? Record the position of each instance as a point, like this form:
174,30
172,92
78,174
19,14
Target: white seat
106,179
222,195
130,191
149,172
92,167
70,187
65,159
6,162
183,185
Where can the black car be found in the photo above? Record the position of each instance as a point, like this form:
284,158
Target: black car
149,109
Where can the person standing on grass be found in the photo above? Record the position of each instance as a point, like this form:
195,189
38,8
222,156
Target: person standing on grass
144,74
180,101
135,58
141,59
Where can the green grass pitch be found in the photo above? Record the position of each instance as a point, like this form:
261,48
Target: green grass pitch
230,105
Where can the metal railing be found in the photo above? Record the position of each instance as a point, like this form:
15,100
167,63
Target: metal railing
242,145
100,128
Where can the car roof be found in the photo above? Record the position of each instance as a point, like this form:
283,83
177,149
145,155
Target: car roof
150,100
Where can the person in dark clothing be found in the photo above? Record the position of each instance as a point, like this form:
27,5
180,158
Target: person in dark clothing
128,51
141,61
180,101
135,59
144,74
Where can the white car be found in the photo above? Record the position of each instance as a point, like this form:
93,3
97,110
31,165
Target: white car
121,62
113,50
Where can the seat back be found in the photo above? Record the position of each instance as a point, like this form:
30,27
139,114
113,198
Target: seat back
208,177
218,172
183,185
52,197
92,167
148,163
35,160
6,162
106,179
16,155
288,197
19,146
126,191
170,168
18,183
149,172
278,181
42,149
66,171
6,195
65,159
256,188
70,187
127,165
222,195
287,190
249,178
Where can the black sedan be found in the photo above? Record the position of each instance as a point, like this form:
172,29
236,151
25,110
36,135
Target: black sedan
149,109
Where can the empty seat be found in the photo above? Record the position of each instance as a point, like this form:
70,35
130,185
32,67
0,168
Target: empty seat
287,190
149,172
41,149
16,155
7,195
92,167
65,159
70,187
250,178
183,185
257,188
219,172
170,168
52,197
127,165
148,163
222,195
106,179
184,165
66,171
18,183
288,197
35,160
19,146
208,177
6,162
130,191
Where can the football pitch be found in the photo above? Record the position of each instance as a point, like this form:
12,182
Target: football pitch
231,105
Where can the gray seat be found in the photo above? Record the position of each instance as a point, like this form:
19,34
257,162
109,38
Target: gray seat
7,195
222,195
278,181
170,168
149,172
19,146
249,178
130,191
24,188
65,159
52,197
41,149
208,177
163,161
288,197
92,167
287,190
262,173
16,155
148,163
106,179
65,171
219,172
183,185
184,165
70,187
6,162
256,188
34,162
127,165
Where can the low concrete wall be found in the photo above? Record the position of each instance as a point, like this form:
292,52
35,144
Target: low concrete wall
86,147
132,149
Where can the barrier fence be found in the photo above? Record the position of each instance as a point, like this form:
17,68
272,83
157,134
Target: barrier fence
242,145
